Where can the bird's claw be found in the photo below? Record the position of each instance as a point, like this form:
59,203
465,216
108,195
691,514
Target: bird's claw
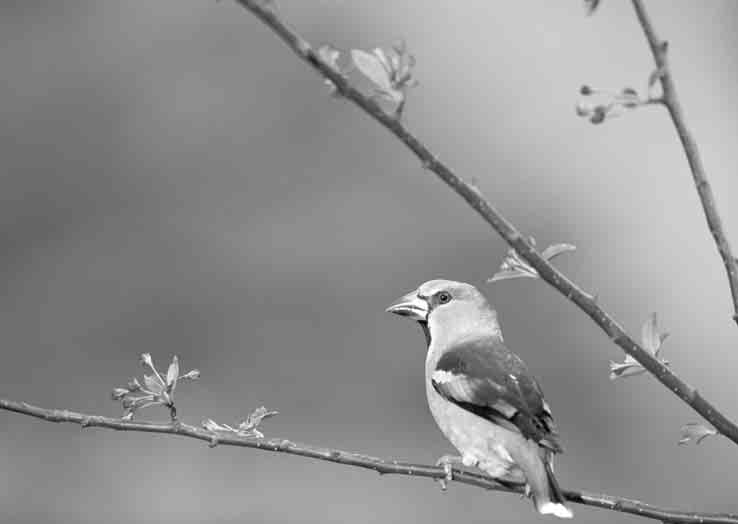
447,462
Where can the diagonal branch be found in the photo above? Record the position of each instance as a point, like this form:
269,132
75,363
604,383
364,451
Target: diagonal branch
264,11
381,466
671,101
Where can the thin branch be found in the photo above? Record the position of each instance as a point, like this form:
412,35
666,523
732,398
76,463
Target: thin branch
264,11
381,466
659,49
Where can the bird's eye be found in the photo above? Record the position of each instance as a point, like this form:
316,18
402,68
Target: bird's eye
444,297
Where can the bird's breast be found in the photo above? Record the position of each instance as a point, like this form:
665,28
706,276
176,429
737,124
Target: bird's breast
477,439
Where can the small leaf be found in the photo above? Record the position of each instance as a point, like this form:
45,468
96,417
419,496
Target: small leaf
651,337
260,414
193,374
373,68
651,340
329,55
508,274
134,403
146,360
555,250
695,432
119,393
173,374
211,425
628,368
513,265
153,384
388,66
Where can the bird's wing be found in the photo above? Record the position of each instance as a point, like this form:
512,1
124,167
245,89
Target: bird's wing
486,378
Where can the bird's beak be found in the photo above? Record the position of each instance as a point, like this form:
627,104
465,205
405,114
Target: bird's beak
412,306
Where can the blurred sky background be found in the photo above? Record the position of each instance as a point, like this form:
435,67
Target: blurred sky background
174,180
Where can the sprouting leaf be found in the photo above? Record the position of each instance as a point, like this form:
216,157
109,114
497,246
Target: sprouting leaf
119,393
651,340
173,374
591,5
247,428
256,418
155,391
146,360
651,337
628,368
211,425
695,432
513,265
373,68
330,55
604,104
389,71
193,374
555,250
153,384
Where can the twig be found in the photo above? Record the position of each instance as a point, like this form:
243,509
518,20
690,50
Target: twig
381,466
659,49
263,10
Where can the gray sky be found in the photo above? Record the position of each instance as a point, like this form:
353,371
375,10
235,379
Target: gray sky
175,181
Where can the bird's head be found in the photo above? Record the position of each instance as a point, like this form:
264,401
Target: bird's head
449,310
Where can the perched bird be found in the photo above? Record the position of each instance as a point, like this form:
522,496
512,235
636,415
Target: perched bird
482,395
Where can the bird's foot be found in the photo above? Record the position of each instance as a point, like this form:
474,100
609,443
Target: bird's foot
527,491
448,462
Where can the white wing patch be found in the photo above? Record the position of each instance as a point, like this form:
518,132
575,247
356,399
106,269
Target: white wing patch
441,376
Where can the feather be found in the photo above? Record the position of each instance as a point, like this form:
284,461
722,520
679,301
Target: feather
484,377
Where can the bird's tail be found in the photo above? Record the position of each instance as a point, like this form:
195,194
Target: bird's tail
536,463
552,501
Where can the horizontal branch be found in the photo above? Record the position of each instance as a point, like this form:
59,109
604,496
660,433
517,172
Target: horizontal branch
381,466
659,50
264,11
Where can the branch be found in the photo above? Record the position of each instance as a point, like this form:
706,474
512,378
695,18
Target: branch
381,466
670,99
264,11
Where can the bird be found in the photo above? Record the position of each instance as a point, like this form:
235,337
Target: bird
481,394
